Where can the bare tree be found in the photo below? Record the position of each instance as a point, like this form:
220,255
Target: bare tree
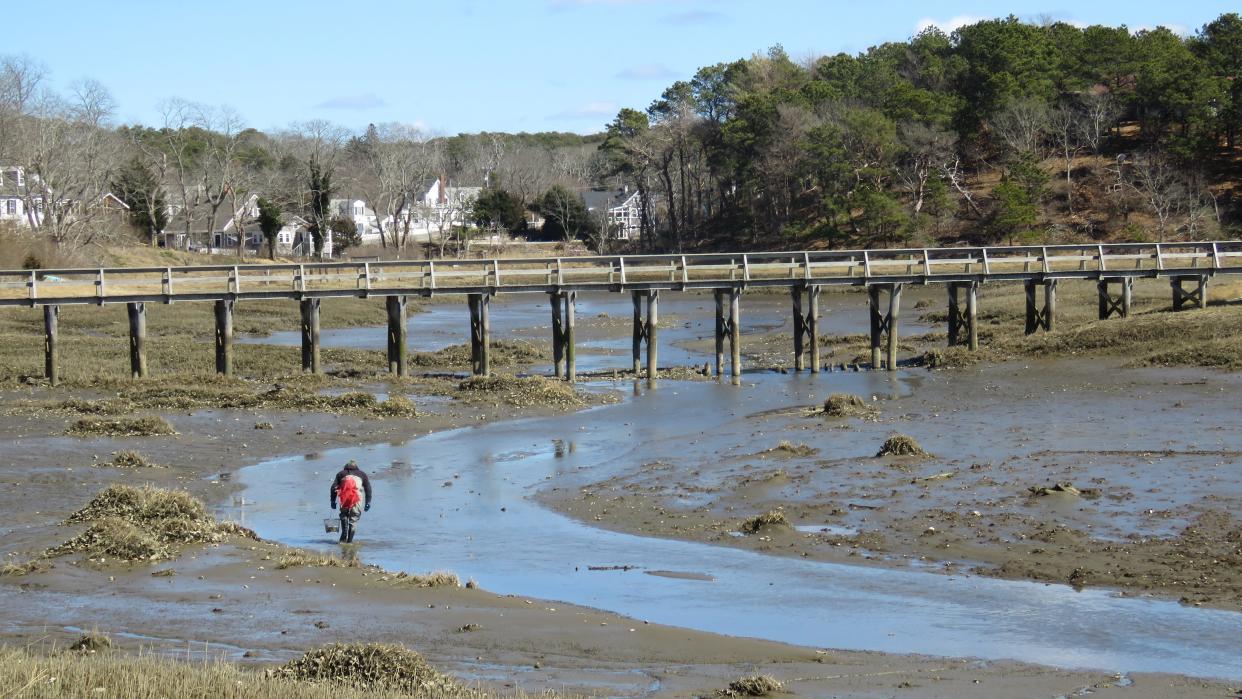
68,155
316,147
1021,125
1066,125
928,149
388,173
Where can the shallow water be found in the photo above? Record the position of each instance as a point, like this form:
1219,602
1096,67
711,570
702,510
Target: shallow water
460,500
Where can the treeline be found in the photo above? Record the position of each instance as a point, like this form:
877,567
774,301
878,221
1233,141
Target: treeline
197,171
1001,131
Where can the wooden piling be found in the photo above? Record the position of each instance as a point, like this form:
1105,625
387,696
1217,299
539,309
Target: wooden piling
571,364
1050,304
1181,297
480,333
1032,311
224,337
799,327
137,312
972,315
720,331
51,342
955,314
652,331
639,331
812,326
877,326
735,335
310,336
1119,306
558,334
398,335
894,312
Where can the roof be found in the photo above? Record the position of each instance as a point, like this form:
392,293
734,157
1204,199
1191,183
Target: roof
604,199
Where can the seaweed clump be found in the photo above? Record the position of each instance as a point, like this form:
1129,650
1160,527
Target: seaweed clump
375,667
847,405
752,686
774,518
902,445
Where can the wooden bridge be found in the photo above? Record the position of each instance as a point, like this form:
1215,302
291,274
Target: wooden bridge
1114,268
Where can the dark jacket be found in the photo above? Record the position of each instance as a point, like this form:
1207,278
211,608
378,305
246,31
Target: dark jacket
350,471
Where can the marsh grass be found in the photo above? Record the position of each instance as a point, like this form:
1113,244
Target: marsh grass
848,405
32,674
902,445
372,666
130,459
436,578
752,686
143,524
774,518
788,448
149,426
520,391
501,353
300,558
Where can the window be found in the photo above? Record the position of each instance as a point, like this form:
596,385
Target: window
12,207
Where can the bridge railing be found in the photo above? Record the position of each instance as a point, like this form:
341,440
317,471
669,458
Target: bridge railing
615,272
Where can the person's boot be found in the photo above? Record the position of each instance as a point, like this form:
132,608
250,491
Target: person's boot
344,531
350,540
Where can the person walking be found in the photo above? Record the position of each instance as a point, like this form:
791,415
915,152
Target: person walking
352,489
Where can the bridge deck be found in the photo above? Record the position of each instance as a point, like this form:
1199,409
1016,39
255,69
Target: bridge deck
616,273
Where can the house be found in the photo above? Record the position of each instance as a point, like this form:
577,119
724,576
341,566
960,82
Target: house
15,194
620,210
293,238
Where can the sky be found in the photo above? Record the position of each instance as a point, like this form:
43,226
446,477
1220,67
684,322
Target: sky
454,66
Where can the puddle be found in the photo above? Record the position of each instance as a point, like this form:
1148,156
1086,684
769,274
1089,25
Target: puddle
488,528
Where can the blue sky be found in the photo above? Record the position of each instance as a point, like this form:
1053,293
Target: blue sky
471,65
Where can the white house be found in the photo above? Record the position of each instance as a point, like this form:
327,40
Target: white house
293,238
620,210
15,193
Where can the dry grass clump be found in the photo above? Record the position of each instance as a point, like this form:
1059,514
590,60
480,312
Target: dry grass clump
130,459
299,558
752,686
372,666
34,565
436,578
230,395
143,524
91,643
521,392
141,505
774,518
847,405
116,538
396,406
788,448
501,353
26,672
121,427
901,445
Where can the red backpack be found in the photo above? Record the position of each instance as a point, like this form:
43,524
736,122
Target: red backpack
348,492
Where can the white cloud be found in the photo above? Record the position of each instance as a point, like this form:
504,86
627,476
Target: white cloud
1178,29
948,26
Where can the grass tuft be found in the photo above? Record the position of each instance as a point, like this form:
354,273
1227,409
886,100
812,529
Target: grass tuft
901,445
755,525
121,427
847,405
752,686
372,666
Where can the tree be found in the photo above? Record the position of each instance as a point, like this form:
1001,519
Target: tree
1219,45
565,215
345,234
142,191
497,210
1015,212
270,224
